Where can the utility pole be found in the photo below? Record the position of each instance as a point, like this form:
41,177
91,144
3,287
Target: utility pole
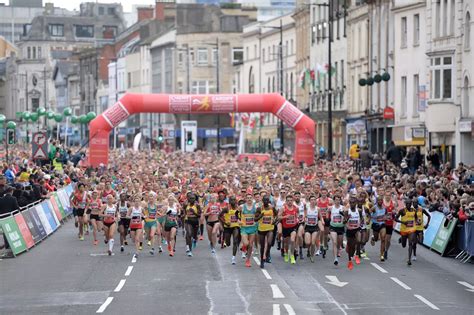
217,92
330,17
282,126
45,101
188,75
27,107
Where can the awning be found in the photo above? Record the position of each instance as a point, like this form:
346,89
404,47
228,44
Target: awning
413,143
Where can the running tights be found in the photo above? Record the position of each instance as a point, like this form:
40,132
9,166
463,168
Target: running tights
191,233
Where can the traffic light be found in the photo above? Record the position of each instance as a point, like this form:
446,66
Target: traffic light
160,135
11,136
189,138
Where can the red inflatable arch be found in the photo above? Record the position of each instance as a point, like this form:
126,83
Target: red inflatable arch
130,104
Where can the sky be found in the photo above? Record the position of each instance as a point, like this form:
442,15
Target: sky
74,4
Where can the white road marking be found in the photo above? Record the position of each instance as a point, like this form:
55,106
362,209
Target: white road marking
289,309
469,286
134,259
266,274
335,281
101,254
129,271
277,294
256,260
379,268
422,299
327,294
104,306
276,309
400,283
120,285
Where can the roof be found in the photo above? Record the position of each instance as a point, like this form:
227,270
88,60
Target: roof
65,67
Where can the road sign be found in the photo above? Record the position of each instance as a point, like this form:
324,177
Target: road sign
40,146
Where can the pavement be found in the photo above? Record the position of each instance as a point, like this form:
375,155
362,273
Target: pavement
63,275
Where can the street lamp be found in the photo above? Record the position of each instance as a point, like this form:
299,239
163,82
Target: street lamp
280,57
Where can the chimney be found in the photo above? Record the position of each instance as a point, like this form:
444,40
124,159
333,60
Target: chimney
160,10
145,13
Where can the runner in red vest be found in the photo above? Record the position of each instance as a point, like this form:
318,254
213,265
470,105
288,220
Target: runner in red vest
288,215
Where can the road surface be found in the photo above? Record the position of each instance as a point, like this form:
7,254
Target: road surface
65,276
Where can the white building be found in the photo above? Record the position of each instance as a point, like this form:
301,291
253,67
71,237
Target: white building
410,74
260,71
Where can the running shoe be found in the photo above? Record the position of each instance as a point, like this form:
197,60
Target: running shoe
414,258
318,252
244,255
285,257
262,264
194,243
213,251
363,255
81,238
233,260
409,262
308,254
385,255
76,224
122,249
350,265
201,237
247,263
152,251
292,259
324,253
357,259
140,247
190,254
109,252
160,249
372,240
269,260
106,241
135,255
382,258
148,243
336,262
311,258
125,242
169,248
164,242
171,253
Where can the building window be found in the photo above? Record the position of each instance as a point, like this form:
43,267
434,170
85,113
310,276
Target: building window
416,95
110,11
453,16
34,53
404,33
28,53
445,18
129,80
202,58
26,29
247,54
237,55
292,46
467,31
255,51
251,81
180,58
39,53
416,29
101,11
56,30
191,55
109,32
214,56
404,97
465,108
84,30
441,78
202,87
438,18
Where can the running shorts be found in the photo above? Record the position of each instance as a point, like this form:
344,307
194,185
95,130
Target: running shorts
339,230
150,224
351,233
248,230
377,227
95,217
125,222
169,227
80,212
286,232
311,229
389,229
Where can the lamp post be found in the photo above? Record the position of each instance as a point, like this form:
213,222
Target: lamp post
280,59
216,44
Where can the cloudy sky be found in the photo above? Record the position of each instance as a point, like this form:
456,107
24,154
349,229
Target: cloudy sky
74,4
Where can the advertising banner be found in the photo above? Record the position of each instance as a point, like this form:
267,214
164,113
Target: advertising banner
53,212
430,232
24,230
44,220
37,232
49,216
60,214
13,235
444,234
59,203
64,200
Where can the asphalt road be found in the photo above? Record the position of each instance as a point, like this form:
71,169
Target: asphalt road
65,276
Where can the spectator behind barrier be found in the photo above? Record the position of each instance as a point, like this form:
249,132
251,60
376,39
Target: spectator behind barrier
8,203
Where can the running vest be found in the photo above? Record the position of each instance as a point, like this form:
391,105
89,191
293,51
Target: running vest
151,213
323,207
214,209
191,212
136,220
354,221
94,205
266,222
279,203
248,216
367,181
83,201
123,210
336,217
230,218
171,216
300,212
311,216
420,225
109,214
378,217
291,221
389,213
408,220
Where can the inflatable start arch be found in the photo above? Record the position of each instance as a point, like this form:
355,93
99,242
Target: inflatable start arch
131,104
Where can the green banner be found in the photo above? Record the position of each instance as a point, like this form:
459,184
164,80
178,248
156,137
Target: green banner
13,235
60,205
444,234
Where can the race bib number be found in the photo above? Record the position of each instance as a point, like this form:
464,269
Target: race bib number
249,221
215,210
311,221
152,215
136,220
337,219
290,220
409,224
233,219
353,223
300,218
267,220
324,212
380,219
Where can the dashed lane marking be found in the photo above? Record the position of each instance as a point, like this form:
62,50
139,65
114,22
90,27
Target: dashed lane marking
266,274
104,306
289,309
276,309
277,294
129,271
469,286
376,266
400,283
134,259
120,285
422,299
